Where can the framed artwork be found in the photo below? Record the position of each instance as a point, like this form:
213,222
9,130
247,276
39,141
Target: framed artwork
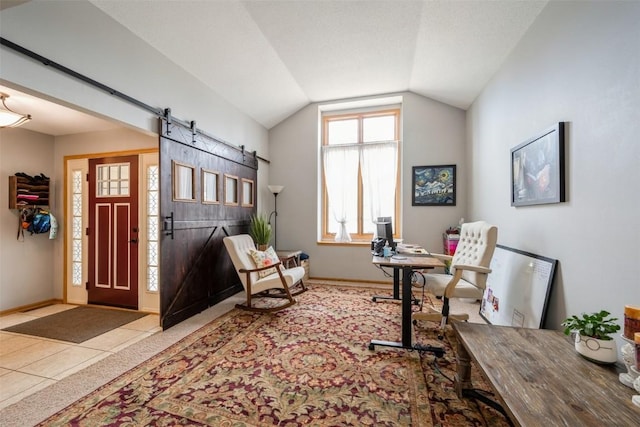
537,169
434,185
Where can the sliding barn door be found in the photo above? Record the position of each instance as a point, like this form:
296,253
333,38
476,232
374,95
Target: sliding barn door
207,192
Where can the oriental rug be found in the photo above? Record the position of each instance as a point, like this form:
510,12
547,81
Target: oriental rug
308,364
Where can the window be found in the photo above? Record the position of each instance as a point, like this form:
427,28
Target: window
153,228
113,180
76,228
360,162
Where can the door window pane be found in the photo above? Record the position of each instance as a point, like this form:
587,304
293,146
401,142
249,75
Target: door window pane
183,182
210,187
113,180
247,192
230,190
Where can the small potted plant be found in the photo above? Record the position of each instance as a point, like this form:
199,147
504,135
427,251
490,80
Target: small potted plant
593,335
260,231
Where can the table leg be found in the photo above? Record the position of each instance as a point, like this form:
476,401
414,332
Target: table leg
396,289
462,380
407,341
406,307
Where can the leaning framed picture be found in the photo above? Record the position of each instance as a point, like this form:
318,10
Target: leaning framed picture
434,185
537,169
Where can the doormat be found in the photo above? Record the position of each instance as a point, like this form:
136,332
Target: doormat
76,325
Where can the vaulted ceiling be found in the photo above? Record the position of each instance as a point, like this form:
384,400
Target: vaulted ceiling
271,58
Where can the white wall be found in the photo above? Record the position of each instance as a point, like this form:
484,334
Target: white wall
579,63
433,133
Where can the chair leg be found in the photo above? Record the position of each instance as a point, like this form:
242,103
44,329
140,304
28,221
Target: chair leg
285,294
268,309
302,288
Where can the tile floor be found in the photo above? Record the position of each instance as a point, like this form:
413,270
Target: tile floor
29,363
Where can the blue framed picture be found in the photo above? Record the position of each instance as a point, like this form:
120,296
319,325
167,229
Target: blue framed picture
434,185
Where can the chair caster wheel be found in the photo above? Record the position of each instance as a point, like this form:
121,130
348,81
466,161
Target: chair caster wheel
415,322
373,299
440,337
371,347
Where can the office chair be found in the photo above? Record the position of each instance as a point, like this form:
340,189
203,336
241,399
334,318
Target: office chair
269,279
469,270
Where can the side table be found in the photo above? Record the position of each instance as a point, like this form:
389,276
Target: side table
289,256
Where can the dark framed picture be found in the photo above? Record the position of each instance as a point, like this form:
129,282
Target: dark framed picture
537,169
434,185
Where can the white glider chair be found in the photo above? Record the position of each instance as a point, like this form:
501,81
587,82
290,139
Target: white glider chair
265,277
469,270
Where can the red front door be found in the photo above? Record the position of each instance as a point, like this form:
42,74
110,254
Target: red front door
113,231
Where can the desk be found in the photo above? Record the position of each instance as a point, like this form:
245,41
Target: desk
406,265
540,379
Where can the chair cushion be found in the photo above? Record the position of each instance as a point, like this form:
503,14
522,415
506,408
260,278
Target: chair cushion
436,283
263,259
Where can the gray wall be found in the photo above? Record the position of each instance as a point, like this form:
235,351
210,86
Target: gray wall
432,134
579,63
26,264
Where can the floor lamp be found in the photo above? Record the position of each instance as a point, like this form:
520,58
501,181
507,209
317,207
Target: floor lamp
275,189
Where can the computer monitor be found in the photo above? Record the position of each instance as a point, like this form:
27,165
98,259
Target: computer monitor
385,231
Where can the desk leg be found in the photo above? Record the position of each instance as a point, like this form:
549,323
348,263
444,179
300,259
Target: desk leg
406,307
462,381
396,283
396,289
406,319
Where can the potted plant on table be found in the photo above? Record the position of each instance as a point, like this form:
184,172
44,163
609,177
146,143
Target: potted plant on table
593,335
260,231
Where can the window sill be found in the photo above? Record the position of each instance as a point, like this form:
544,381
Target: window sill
333,243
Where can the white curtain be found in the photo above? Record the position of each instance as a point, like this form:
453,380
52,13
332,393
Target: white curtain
379,174
340,164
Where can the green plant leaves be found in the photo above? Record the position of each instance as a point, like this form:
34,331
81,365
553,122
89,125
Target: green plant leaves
595,325
260,229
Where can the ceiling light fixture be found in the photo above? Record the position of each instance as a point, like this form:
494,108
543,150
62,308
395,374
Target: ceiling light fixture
8,118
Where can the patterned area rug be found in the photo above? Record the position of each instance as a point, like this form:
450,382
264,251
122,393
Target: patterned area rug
306,365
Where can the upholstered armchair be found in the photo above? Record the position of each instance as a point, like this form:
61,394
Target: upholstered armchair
262,273
469,270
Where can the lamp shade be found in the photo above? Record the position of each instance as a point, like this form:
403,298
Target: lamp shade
275,189
8,118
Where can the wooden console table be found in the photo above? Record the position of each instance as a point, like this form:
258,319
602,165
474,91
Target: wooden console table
540,379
